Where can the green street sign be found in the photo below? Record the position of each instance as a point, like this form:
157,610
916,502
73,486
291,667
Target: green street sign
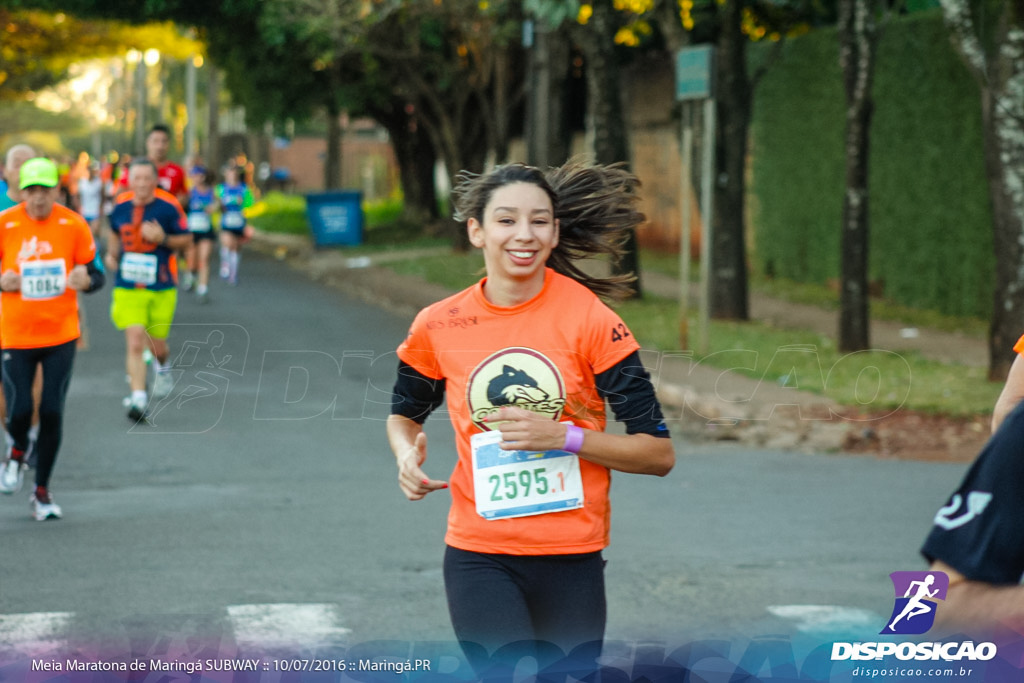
693,72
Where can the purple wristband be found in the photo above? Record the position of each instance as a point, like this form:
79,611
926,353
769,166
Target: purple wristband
573,439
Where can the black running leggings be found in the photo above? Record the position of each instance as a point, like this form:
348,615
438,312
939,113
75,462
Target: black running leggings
19,369
495,600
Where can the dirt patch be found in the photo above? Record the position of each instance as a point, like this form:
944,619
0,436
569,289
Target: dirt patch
908,435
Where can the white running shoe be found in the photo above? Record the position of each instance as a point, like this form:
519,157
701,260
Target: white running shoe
43,507
163,384
12,474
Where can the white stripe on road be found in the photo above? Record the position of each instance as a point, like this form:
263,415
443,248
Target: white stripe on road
828,618
33,634
287,625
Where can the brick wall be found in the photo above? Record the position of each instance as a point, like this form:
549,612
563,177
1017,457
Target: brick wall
367,162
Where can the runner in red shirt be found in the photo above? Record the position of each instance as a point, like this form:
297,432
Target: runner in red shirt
527,359
170,176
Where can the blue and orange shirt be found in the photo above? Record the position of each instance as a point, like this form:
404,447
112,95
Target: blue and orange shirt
143,264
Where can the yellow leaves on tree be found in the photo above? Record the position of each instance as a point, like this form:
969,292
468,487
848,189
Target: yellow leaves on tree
38,47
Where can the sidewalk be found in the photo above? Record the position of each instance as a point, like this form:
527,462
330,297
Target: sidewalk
946,347
701,403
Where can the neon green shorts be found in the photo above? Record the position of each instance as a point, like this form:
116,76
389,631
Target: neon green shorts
152,310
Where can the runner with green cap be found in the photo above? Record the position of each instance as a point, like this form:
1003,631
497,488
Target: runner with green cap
47,254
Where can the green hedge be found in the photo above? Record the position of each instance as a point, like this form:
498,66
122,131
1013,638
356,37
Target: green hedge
931,242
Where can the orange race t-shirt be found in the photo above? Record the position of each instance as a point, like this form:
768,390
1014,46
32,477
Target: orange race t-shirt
541,355
1019,346
45,311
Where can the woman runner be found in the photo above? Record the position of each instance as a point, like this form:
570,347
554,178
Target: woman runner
527,358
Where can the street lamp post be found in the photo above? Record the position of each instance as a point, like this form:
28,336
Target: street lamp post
134,59
191,136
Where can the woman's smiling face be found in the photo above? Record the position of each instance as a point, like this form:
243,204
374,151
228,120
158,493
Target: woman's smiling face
517,235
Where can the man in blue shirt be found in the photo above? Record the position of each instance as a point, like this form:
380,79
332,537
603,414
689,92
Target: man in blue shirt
149,227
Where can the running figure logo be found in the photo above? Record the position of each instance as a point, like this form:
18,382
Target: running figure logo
914,612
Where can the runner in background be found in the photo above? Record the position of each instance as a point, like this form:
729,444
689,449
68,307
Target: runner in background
46,253
90,198
201,207
173,179
15,157
234,196
149,226
89,204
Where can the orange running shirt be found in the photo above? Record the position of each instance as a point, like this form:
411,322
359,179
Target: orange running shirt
541,355
1019,346
38,316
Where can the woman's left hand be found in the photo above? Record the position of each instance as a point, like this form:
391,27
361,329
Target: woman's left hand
523,430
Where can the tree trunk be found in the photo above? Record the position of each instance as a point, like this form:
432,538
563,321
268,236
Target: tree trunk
502,103
415,157
547,134
212,154
606,119
857,43
1004,161
417,172
997,63
462,148
332,163
729,287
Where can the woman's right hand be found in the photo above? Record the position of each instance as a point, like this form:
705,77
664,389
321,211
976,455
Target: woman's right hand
411,479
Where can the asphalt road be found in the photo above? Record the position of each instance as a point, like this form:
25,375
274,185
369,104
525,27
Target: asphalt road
260,507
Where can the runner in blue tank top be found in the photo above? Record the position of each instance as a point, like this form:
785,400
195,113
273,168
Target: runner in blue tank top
234,197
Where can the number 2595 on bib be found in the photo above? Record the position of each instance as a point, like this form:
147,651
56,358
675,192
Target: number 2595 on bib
523,483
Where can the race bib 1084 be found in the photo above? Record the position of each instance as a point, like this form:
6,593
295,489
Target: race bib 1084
43,279
510,484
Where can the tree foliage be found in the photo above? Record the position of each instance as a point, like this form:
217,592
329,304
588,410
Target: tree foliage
38,46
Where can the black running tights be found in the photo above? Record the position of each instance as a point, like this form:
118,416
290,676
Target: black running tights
497,600
19,369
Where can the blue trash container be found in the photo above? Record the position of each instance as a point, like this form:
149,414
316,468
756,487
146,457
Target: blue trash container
336,218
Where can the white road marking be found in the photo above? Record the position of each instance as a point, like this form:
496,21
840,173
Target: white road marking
34,633
286,625
828,618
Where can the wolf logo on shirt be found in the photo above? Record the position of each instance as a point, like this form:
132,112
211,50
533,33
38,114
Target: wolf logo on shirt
518,377
514,387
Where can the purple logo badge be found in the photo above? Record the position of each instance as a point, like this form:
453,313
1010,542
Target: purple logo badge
916,596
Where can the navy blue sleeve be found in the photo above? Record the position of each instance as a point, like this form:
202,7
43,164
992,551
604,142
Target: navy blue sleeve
116,219
97,275
980,530
415,395
627,388
170,219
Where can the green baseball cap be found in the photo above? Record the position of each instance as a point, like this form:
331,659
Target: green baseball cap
39,171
